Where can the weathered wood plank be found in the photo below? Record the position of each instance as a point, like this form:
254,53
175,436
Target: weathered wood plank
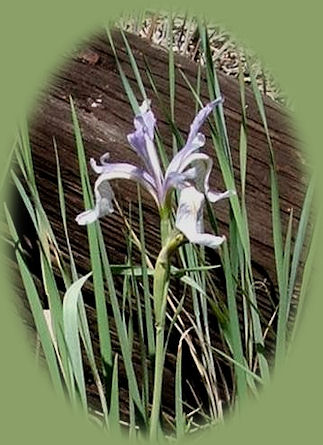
91,75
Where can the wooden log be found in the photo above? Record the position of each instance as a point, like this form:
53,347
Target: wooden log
91,77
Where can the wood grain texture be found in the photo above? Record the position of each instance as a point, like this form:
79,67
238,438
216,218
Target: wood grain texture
91,78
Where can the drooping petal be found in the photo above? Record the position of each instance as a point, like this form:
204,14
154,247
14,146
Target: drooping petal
103,192
122,170
199,173
195,139
202,164
179,180
103,203
189,219
214,196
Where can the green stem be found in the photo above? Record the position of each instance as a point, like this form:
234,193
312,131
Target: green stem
164,225
158,382
161,283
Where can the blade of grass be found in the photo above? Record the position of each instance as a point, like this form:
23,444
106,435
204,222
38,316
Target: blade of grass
134,65
114,415
282,325
242,226
235,336
307,277
85,331
171,74
97,245
132,98
300,238
147,299
179,414
6,170
71,331
101,309
37,310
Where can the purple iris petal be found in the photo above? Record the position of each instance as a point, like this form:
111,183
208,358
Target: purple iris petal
200,119
103,192
123,170
142,140
195,139
146,119
186,168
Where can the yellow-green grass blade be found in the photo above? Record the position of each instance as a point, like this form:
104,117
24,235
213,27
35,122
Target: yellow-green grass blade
132,98
114,412
25,150
282,325
134,66
235,336
300,237
276,221
84,328
179,414
147,295
71,333
214,92
224,158
56,311
143,354
37,310
309,267
121,330
92,231
6,170
48,276
171,74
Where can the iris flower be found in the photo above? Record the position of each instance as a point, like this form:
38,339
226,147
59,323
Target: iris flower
188,172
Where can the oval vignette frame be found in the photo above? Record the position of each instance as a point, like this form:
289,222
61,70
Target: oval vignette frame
33,40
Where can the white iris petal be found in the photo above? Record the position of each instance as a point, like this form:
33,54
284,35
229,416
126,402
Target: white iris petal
189,219
103,203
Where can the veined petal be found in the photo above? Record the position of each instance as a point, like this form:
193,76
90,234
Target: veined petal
202,167
154,164
199,173
146,119
138,143
177,181
103,191
123,170
201,117
195,139
189,219
142,141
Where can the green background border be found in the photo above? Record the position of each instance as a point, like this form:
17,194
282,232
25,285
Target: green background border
33,36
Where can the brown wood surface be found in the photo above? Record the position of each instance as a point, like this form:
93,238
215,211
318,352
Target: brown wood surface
92,74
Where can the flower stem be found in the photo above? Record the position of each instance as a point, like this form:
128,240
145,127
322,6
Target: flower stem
161,283
164,225
158,381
